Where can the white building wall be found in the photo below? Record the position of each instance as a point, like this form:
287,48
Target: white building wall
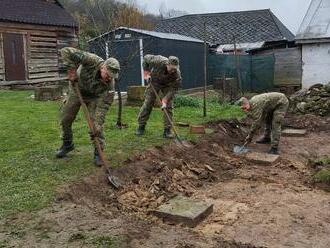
316,64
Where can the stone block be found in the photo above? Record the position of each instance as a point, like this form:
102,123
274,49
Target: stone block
183,210
294,132
261,158
49,93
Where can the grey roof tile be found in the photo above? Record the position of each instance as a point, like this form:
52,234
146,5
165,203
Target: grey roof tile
35,12
246,26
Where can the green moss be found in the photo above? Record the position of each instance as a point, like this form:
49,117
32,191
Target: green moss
323,176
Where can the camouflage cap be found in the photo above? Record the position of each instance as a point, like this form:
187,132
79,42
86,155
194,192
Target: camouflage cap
240,101
173,60
112,64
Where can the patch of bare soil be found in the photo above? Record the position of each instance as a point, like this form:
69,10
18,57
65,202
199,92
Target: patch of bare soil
254,205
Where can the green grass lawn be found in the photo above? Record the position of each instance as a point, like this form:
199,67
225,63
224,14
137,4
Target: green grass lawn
30,134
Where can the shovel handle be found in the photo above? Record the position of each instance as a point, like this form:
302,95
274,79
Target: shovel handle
166,113
91,126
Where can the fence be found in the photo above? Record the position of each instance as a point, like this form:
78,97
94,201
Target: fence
256,72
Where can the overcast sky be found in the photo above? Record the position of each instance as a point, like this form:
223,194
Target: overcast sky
290,12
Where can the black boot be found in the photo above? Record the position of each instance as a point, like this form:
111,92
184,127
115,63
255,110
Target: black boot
264,140
273,150
67,147
97,159
167,133
140,130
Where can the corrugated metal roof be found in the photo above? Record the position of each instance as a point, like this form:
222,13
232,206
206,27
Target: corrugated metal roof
240,46
316,23
168,36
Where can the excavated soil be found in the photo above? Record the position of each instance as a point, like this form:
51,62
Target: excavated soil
254,205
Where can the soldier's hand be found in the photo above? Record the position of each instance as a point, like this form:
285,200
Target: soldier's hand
164,104
146,75
72,74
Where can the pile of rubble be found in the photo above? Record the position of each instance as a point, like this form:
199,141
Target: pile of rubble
315,100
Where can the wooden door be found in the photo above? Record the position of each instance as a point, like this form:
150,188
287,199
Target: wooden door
13,46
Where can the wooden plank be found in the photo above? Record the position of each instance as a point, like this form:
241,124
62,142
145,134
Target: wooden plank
43,55
44,69
43,50
42,44
38,66
34,81
43,61
43,75
44,39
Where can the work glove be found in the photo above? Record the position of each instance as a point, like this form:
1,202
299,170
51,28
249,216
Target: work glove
164,105
248,139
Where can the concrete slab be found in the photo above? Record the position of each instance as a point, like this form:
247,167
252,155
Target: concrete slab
183,210
262,158
289,132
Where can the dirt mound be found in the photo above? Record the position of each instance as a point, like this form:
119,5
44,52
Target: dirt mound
154,176
310,122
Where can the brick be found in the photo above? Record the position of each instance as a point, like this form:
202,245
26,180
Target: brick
261,158
197,129
183,210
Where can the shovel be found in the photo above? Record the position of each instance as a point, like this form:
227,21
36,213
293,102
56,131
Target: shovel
114,181
241,149
177,137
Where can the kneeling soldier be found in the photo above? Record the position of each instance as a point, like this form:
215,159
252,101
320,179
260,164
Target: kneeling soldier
269,109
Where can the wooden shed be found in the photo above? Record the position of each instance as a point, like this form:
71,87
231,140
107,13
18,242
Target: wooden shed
31,34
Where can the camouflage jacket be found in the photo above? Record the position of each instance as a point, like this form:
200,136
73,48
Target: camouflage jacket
263,104
156,64
88,71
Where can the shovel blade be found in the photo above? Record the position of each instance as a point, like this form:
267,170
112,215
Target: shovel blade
182,143
240,149
115,182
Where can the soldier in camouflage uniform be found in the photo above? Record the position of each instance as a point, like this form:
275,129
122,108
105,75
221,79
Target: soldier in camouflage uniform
95,78
268,108
165,76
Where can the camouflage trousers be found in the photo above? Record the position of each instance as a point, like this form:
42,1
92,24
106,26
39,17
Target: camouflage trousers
274,120
97,107
149,102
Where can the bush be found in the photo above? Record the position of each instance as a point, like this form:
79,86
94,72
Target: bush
187,101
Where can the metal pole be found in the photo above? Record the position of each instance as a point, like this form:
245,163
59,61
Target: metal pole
205,71
237,67
141,61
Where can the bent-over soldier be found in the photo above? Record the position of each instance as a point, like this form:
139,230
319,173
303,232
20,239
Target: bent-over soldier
268,109
95,78
165,76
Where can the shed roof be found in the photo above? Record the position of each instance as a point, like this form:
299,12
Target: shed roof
43,12
247,27
168,36
316,23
